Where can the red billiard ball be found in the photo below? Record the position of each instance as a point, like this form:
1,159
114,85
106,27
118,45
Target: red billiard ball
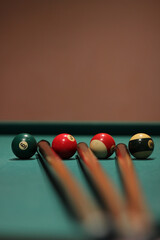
102,145
64,145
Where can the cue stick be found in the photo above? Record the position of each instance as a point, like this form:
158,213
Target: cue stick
91,217
105,188
139,214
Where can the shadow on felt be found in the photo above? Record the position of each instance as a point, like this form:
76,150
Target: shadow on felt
56,184
20,159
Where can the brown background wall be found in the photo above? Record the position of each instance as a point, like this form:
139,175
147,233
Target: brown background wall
80,60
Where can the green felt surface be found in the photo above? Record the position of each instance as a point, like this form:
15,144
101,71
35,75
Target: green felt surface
31,207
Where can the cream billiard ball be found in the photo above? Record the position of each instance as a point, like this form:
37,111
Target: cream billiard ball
102,145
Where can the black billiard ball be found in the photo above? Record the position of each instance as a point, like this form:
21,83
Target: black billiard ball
24,146
141,145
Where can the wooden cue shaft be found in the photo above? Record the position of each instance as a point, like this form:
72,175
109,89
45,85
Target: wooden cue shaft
135,202
90,215
103,185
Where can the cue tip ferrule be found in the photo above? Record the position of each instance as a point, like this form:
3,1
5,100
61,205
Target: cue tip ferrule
121,150
43,141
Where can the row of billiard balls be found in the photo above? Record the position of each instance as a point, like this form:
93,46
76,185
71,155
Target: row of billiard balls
140,145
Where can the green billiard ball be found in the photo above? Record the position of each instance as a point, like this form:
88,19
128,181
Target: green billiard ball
24,146
141,145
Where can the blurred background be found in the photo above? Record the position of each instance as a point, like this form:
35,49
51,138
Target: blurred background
79,60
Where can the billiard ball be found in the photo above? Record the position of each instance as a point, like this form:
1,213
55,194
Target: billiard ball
102,145
24,146
64,145
141,145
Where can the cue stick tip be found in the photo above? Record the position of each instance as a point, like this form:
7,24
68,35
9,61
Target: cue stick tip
43,141
121,150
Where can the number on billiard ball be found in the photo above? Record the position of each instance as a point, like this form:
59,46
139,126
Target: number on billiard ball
64,145
141,145
102,145
24,146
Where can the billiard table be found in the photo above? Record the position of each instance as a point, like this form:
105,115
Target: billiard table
30,206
